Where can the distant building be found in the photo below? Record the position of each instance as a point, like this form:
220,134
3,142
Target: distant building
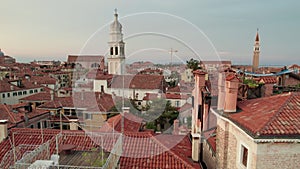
87,61
215,66
6,59
13,90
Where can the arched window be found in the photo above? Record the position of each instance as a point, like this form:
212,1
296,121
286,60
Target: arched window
112,51
116,50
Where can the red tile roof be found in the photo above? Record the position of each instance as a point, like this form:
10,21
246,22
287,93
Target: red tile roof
210,137
163,151
274,116
138,81
132,123
180,89
185,107
176,96
43,79
140,149
85,58
92,101
150,96
7,86
268,80
16,113
42,96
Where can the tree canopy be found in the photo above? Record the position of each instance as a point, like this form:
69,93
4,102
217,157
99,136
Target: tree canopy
192,64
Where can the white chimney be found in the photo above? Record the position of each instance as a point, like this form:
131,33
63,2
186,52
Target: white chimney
52,94
3,130
73,124
126,109
221,90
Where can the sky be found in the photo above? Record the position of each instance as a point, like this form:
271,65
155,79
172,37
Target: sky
205,30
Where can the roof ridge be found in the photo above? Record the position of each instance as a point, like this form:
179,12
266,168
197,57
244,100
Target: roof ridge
9,114
276,113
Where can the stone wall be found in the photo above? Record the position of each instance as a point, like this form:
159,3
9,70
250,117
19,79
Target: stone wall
209,157
230,140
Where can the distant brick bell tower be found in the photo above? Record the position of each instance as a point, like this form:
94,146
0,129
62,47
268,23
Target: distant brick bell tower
255,61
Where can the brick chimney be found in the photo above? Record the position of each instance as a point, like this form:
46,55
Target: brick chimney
73,124
176,127
196,124
231,92
3,130
199,78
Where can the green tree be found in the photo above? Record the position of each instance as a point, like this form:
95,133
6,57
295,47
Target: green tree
161,113
192,64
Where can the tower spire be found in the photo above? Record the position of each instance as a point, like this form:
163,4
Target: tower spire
116,14
257,36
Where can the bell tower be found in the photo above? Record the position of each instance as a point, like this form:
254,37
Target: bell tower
116,57
256,51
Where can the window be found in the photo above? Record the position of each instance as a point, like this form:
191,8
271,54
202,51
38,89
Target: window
244,156
88,116
24,92
35,90
177,104
67,112
14,93
3,95
111,51
8,94
19,93
30,91
116,50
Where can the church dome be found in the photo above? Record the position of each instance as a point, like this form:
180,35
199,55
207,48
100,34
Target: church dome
116,26
1,53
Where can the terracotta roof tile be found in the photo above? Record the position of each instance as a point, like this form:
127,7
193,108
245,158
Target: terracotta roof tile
140,149
270,116
138,81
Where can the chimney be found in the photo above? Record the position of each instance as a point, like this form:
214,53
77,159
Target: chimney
199,78
11,87
231,92
176,127
221,90
52,95
126,109
199,85
73,124
3,130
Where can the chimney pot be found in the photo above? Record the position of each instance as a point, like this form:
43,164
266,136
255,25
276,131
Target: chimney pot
73,124
3,129
231,92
